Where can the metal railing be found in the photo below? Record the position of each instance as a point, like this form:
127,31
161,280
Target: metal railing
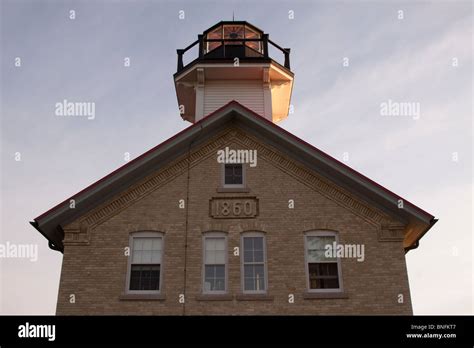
201,41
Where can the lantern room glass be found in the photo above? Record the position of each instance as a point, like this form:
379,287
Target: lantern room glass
233,32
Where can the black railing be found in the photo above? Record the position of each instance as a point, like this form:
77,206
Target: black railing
263,52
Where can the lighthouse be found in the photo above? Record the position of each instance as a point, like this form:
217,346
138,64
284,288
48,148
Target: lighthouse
234,215
234,63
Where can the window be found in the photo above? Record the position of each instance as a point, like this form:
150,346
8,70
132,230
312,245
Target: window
215,260
145,262
252,34
323,272
233,175
216,34
233,32
253,263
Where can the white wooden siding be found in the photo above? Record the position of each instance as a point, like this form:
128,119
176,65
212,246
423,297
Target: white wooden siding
247,93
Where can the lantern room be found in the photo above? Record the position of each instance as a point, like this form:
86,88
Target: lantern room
234,63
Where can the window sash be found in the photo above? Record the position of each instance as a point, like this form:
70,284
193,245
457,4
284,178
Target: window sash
233,174
316,248
145,267
214,282
146,250
323,273
254,273
215,259
145,277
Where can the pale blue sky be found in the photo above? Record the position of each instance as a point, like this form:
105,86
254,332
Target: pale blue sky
337,109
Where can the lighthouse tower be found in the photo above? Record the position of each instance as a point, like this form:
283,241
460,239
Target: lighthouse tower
234,63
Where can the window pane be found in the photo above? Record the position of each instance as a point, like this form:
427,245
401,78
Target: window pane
145,277
146,256
323,276
249,284
248,243
219,257
248,255
259,277
136,256
214,278
253,249
157,243
320,242
254,277
138,243
215,250
229,170
258,256
146,250
316,256
156,256
250,34
219,243
238,170
147,243
233,174
258,243
215,34
317,248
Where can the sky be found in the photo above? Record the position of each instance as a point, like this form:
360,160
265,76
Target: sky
349,58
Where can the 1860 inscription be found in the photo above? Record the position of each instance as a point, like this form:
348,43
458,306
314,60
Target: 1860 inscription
233,207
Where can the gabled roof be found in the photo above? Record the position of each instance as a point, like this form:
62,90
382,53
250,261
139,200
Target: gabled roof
51,222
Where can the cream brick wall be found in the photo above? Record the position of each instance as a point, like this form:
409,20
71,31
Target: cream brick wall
96,273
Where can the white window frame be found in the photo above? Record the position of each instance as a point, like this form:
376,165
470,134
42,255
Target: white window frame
244,177
226,265
322,233
242,263
141,234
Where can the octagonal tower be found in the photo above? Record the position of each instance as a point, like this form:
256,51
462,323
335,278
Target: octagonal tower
234,63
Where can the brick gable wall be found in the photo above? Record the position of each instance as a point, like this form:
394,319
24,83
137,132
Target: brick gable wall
94,266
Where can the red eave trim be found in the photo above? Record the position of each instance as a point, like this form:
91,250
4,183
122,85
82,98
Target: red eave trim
233,102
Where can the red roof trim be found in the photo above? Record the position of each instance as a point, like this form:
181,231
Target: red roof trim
233,102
